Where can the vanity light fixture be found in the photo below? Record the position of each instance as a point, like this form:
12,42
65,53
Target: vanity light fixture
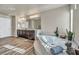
34,16
75,7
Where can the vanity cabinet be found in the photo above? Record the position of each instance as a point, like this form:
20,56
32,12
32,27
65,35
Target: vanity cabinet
28,34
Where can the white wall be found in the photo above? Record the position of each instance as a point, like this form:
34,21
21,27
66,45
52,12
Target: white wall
5,26
55,18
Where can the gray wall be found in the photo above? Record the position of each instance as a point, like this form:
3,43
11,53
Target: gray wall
13,25
76,21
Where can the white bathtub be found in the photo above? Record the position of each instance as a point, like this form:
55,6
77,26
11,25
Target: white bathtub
43,44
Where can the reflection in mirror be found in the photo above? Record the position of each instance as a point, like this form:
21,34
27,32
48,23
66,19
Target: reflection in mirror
30,23
22,23
35,23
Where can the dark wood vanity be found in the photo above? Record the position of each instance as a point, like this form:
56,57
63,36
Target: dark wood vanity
28,34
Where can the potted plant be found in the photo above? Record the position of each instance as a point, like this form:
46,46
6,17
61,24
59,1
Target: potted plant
70,36
56,32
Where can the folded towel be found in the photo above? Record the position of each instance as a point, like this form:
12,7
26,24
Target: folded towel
56,50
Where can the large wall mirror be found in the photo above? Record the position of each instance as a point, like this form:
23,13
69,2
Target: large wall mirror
35,23
31,22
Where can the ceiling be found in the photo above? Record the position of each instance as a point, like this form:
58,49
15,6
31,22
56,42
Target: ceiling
26,9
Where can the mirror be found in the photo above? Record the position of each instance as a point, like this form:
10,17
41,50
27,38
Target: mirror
33,23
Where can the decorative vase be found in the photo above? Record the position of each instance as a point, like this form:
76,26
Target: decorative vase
69,45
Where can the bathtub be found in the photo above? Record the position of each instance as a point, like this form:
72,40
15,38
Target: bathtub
43,43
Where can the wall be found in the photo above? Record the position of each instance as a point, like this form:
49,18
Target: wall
76,22
13,26
5,26
55,18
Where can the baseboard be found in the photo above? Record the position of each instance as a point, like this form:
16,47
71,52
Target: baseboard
7,37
